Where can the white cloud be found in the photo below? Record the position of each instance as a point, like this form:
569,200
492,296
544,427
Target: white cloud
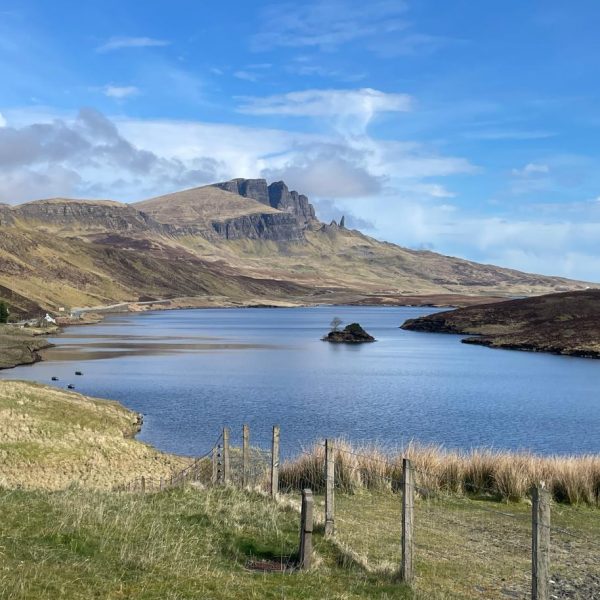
86,156
327,24
531,169
120,92
328,103
327,171
246,76
2,121
119,43
349,112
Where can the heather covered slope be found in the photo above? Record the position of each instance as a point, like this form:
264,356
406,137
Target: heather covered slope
566,323
42,271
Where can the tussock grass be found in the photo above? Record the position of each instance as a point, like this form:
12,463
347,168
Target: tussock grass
506,475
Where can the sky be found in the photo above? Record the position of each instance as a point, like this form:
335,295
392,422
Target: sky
467,128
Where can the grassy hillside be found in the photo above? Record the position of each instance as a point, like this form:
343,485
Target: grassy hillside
566,323
199,206
44,271
50,438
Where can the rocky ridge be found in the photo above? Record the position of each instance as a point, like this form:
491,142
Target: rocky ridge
276,195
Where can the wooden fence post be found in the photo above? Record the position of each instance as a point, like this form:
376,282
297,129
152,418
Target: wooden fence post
306,529
161,484
245,454
275,462
226,465
408,504
215,471
540,543
329,488
143,485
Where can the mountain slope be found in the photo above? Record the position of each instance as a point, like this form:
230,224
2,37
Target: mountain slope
263,242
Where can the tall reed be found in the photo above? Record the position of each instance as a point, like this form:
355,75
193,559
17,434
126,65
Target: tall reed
486,472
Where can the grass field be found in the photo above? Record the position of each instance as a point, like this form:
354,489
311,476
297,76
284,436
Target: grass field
201,543
179,544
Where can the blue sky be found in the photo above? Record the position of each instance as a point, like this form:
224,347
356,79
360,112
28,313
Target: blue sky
470,128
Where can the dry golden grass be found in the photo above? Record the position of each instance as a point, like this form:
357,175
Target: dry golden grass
51,439
199,206
506,475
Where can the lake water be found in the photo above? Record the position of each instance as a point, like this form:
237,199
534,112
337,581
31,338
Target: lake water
192,371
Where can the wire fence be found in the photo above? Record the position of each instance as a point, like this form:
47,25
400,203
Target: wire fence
450,536
200,470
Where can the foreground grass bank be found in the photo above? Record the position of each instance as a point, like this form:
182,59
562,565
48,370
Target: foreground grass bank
51,438
65,534
206,543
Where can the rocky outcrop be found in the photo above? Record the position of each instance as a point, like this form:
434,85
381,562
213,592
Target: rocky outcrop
6,215
89,217
256,189
282,198
269,226
351,334
277,195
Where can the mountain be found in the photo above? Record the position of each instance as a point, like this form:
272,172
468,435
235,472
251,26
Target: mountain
239,241
566,323
214,213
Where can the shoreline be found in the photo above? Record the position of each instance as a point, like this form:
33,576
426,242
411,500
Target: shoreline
449,469
96,314
343,299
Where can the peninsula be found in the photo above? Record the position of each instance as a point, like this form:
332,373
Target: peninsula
565,323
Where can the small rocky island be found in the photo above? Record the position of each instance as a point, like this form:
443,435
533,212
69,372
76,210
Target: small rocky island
351,334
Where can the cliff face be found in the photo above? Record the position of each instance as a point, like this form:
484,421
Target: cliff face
85,215
89,217
274,227
276,195
233,210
